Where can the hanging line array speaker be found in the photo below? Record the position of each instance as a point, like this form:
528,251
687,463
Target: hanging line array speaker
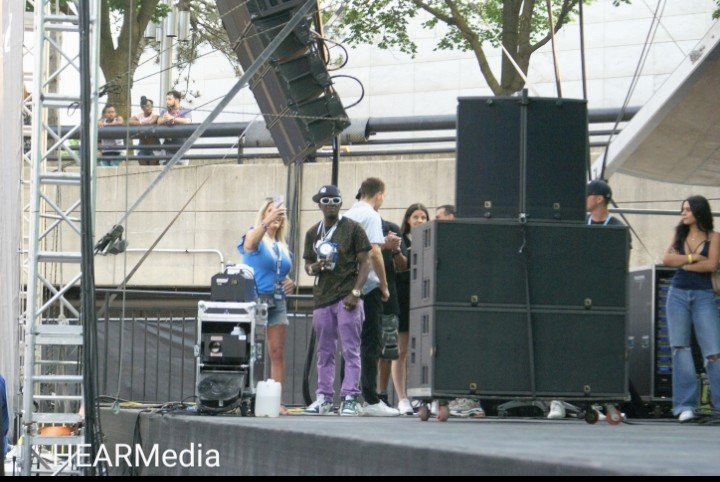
293,89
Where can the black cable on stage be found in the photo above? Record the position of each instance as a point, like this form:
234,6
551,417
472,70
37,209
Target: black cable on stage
87,312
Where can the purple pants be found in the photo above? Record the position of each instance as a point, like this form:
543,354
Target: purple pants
330,323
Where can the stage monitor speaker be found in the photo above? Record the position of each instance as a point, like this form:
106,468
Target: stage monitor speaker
520,156
574,354
293,89
487,262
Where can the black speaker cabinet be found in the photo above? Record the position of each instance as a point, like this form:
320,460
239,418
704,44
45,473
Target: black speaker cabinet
649,349
506,353
521,156
496,263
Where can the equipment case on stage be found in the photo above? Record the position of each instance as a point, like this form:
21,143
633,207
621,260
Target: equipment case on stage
230,353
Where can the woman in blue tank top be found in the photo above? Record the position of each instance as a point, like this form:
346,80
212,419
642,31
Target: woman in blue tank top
265,250
694,250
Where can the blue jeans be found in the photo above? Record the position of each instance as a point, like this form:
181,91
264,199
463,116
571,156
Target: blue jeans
332,322
688,309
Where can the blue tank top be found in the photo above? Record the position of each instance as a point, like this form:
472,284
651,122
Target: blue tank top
264,262
690,280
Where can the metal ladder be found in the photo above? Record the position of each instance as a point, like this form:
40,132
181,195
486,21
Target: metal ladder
52,333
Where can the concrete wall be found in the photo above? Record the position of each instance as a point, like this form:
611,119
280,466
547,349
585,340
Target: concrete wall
226,205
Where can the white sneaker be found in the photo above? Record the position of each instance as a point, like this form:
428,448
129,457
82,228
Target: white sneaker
598,409
465,407
320,407
686,415
350,407
379,410
557,410
405,408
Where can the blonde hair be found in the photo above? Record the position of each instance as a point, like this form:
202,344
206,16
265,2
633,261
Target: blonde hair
280,234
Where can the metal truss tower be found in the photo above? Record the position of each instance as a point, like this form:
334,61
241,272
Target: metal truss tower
54,220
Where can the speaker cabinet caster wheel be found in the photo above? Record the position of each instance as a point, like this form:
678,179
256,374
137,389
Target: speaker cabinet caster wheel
591,416
424,412
613,415
443,413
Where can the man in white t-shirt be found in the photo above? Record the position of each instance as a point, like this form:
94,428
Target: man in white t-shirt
375,291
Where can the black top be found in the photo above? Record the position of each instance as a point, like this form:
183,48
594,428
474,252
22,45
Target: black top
609,221
333,285
391,306
403,283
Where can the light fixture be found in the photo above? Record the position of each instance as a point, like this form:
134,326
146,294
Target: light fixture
171,23
183,24
150,30
158,33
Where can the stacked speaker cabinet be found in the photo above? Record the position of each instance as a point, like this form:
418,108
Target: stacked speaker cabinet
649,349
504,310
521,157
293,89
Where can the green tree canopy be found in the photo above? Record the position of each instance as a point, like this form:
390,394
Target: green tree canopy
520,27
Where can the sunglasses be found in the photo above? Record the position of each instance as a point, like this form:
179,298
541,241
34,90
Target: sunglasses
330,200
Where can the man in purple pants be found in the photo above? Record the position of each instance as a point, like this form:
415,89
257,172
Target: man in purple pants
336,253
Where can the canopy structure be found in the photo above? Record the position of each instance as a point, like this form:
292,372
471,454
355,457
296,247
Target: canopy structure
675,136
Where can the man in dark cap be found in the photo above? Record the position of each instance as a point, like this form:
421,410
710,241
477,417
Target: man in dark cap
597,198
336,252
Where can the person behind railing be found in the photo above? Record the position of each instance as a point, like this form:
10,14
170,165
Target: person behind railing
264,248
174,113
145,117
110,148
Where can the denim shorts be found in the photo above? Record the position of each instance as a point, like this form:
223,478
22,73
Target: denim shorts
277,315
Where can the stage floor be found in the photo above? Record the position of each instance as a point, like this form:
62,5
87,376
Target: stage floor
334,445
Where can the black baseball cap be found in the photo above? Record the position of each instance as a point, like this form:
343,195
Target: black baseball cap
326,191
598,187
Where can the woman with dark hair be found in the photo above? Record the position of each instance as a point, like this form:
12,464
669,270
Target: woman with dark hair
142,118
695,251
415,215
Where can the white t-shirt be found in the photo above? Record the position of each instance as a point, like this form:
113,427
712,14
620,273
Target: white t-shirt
371,222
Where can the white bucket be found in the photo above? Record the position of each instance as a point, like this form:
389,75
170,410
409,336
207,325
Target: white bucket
267,399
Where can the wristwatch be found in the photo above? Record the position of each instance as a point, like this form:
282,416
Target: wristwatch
356,293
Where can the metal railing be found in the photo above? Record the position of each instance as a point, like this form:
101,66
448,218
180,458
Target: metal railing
368,137
148,340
